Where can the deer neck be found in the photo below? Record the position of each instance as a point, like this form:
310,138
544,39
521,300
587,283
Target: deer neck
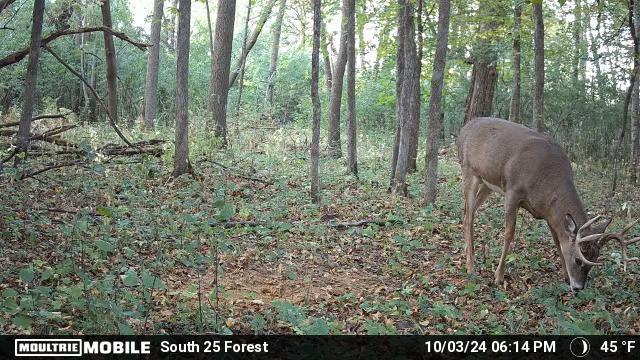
567,201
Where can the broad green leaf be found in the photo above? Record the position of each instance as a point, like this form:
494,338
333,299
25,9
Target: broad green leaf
22,321
9,293
125,329
27,275
104,211
104,245
130,278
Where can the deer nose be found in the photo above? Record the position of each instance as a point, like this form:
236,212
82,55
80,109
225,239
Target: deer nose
577,287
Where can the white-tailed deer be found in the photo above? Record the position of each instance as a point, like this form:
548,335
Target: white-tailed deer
533,172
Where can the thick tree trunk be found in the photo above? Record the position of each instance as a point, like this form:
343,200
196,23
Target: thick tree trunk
181,157
264,15
153,65
326,59
244,63
480,99
170,27
635,96
315,99
112,63
275,49
210,103
514,111
221,66
352,155
435,119
361,21
538,85
577,37
410,85
29,96
335,146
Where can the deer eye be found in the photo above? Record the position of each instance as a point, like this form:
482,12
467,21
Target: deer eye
579,262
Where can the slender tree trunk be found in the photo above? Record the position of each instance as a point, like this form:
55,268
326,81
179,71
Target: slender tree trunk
635,99
112,63
275,49
244,47
352,156
264,15
326,59
577,35
153,65
435,119
335,146
221,65
181,157
399,79
514,111
170,27
361,21
315,99
210,103
31,80
538,85
415,133
410,85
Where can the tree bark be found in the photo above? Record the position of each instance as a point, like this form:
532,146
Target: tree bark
435,120
635,96
399,79
4,4
538,85
275,49
514,110
244,63
221,65
315,99
577,37
264,15
170,27
361,21
326,59
153,65
111,61
335,146
181,164
352,154
415,133
210,103
24,129
410,85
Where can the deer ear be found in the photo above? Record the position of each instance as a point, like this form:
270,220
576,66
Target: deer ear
571,224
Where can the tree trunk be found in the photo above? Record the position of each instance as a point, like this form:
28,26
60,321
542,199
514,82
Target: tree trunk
31,80
181,164
221,64
326,59
514,111
435,120
153,65
361,21
538,85
242,66
210,103
315,99
264,15
635,99
170,27
577,36
275,49
335,147
110,59
399,79
410,85
352,156
415,133
484,73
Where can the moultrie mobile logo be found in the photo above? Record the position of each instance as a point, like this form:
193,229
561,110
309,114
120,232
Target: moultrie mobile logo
48,347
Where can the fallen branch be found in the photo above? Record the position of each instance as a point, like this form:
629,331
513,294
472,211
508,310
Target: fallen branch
337,226
229,170
41,117
51,167
346,225
21,54
93,91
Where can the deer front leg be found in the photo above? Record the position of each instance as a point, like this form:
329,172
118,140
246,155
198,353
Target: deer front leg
557,241
511,213
470,189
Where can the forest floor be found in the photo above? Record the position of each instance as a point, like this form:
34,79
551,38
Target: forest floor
123,248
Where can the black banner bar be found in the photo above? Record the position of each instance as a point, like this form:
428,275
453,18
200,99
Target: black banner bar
321,347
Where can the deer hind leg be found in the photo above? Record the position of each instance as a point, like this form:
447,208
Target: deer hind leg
511,213
562,263
470,191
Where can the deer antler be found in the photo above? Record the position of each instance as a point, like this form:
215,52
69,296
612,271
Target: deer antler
619,237
581,240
